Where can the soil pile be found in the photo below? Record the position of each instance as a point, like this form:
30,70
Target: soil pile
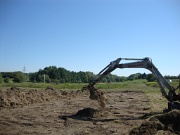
86,112
96,94
168,123
124,111
14,97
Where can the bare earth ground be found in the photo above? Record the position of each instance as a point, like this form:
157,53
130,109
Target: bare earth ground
56,112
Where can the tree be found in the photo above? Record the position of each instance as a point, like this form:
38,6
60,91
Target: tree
61,75
104,80
143,76
6,80
32,77
62,72
83,76
171,77
1,79
122,79
150,78
18,77
52,71
47,79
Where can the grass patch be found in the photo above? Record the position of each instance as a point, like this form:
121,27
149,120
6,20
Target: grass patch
140,84
45,85
152,84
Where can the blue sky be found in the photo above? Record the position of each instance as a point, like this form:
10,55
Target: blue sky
85,35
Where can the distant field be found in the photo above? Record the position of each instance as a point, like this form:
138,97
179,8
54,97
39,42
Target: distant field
140,84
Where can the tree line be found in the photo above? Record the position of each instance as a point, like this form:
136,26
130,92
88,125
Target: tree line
52,74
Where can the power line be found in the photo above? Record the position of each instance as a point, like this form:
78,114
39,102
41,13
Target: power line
24,69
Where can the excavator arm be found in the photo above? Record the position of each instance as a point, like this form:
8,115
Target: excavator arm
139,63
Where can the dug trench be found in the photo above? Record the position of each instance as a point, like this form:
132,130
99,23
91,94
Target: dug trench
52,111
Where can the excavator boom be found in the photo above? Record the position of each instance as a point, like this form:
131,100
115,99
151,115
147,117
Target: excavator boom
139,63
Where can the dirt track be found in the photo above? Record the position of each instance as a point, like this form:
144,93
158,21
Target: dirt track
58,114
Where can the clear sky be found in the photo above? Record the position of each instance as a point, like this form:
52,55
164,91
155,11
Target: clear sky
86,35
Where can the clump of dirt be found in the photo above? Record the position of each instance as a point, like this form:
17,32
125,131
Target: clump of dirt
14,88
170,120
49,88
86,112
64,93
89,113
147,128
160,124
96,94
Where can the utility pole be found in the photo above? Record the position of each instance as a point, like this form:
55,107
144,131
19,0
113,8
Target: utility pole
24,72
44,78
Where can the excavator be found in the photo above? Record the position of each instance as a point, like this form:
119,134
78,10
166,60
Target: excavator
171,96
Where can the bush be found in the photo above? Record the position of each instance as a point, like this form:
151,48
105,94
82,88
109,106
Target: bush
152,84
1,79
6,80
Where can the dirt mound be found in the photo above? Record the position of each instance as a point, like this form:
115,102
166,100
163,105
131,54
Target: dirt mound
147,128
14,88
86,112
167,123
14,97
49,88
57,116
171,120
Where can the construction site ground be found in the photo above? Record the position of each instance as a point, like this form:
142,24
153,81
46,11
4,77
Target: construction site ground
56,112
